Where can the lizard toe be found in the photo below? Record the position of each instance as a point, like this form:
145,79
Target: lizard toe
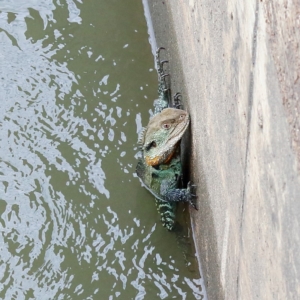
193,205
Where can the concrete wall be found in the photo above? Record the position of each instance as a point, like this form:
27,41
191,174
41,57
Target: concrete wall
237,64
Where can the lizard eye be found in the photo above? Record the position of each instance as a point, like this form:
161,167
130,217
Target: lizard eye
181,117
166,126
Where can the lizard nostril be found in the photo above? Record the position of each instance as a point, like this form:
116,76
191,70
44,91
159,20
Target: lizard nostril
151,145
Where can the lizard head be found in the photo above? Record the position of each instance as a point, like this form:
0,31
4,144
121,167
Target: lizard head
162,135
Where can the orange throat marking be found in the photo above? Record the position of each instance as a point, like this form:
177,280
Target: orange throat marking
158,159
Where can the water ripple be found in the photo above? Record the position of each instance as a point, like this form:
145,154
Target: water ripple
73,223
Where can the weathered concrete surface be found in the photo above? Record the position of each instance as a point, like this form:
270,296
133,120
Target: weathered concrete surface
237,64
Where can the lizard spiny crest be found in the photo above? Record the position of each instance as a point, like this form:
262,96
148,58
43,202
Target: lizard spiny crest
141,137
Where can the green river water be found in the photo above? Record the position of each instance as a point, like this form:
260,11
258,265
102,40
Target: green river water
77,83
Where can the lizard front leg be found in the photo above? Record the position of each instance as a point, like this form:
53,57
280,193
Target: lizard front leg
181,195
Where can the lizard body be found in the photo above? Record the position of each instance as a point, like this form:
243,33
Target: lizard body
160,167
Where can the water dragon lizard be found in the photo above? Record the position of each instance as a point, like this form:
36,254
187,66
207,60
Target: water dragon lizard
159,167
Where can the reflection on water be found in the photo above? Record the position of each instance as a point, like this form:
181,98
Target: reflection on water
76,81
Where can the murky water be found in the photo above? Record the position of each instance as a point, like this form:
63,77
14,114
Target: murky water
77,80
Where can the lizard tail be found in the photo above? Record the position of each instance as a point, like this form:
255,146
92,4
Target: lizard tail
167,213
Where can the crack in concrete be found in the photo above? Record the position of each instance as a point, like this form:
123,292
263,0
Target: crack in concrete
250,104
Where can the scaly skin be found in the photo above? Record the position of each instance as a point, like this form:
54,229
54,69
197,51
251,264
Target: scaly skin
160,168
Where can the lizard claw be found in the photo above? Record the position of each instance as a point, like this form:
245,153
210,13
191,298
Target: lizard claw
160,48
177,100
191,196
190,185
177,95
163,62
193,205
